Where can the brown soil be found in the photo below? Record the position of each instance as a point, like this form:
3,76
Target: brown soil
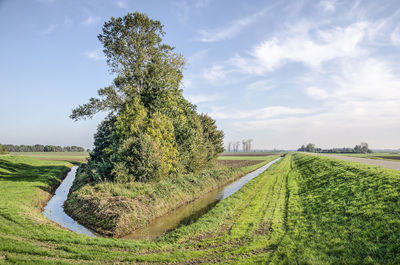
238,163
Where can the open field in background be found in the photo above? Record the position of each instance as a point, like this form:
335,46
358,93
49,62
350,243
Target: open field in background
249,153
385,156
237,163
303,210
265,157
55,156
386,163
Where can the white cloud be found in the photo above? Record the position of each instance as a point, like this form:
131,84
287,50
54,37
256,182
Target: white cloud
302,47
197,56
261,85
197,99
229,31
216,72
95,55
122,4
366,80
90,20
328,5
49,29
259,114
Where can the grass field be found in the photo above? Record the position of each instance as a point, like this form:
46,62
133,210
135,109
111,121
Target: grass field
384,156
54,156
302,210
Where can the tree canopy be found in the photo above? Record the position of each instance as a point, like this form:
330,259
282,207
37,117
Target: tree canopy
3,150
151,130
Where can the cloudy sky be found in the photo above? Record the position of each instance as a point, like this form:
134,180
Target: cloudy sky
283,73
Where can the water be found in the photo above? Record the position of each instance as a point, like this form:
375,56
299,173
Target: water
54,209
191,212
184,215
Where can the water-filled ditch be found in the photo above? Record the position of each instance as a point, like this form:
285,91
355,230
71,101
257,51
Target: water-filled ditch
183,215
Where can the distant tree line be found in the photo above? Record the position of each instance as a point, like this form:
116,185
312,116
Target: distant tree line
42,148
234,146
358,149
3,150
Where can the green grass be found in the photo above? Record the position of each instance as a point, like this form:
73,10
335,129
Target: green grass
302,210
55,156
117,209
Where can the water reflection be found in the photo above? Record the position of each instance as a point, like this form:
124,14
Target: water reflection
54,209
191,212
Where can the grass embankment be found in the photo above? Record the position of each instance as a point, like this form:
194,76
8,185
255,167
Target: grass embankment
302,210
114,209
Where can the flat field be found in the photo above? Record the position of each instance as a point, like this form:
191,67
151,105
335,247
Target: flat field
386,162
55,156
238,163
244,157
302,210
384,156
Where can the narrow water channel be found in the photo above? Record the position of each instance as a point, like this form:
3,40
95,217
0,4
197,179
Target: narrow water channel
54,209
191,212
184,215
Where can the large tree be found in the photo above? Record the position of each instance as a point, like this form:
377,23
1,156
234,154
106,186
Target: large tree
149,124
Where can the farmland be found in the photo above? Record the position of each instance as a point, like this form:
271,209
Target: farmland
54,156
385,161
304,209
389,156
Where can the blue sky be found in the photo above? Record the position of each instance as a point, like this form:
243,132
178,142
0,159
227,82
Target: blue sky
283,73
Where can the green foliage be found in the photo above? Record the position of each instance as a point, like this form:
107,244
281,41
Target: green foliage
161,131
213,137
3,150
146,108
42,148
137,161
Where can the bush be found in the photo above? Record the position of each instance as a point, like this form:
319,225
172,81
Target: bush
3,150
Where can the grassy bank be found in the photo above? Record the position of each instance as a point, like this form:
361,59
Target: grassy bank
302,210
114,209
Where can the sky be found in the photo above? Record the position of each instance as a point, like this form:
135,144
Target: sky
283,73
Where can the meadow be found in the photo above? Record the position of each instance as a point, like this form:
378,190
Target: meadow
382,156
302,210
54,156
